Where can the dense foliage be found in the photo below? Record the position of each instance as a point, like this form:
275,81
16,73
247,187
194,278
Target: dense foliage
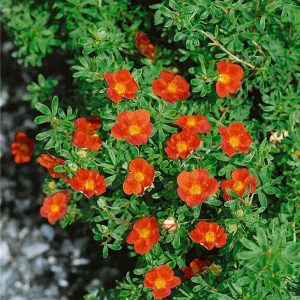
260,258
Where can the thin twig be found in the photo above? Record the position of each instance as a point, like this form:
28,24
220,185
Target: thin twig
218,44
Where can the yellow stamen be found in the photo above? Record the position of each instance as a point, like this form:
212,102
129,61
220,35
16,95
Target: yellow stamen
210,236
134,129
144,233
139,176
234,141
181,146
160,283
225,78
195,189
54,208
120,88
172,87
89,184
238,186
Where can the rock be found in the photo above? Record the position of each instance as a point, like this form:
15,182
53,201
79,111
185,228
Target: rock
48,232
80,261
5,256
35,249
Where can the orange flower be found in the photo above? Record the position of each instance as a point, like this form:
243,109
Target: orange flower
240,179
21,148
193,124
209,235
161,280
171,88
140,177
88,182
121,85
55,206
133,126
144,235
85,136
230,76
182,144
197,266
235,137
195,187
144,45
50,162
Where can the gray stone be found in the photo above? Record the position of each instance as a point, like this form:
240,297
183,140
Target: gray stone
35,249
48,232
5,256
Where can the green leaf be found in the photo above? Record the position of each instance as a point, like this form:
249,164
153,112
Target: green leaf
43,109
54,106
42,119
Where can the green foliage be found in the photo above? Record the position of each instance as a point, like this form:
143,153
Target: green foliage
261,257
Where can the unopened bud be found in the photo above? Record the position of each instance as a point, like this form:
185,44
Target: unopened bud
216,270
82,153
169,224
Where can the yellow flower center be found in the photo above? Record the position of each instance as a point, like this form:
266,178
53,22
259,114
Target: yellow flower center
134,129
238,186
120,88
210,236
24,147
234,141
181,146
54,208
89,184
51,185
160,283
224,78
139,176
191,121
195,269
172,87
195,189
144,233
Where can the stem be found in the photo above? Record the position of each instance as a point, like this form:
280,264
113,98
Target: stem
218,44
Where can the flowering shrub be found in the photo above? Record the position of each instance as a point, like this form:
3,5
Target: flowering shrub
183,172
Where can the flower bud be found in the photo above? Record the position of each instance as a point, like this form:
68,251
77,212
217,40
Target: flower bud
169,224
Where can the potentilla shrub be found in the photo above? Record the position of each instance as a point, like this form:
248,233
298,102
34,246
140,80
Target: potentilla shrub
178,141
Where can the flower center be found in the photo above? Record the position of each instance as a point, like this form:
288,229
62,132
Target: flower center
89,184
54,208
160,283
139,176
238,186
144,233
195,269
24,147
181,146
172,87
134,130
120,88
234,141
195,189
191,122
224,78
210,236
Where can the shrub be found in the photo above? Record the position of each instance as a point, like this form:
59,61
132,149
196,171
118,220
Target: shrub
215,195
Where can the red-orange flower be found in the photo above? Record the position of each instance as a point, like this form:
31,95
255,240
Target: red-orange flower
209,235
55,206
197,266
240,180
193,124
50,162
140,177
235,137
121,85
171,88
21,148
144,235
133,126
86,136
182,144
88,182
194,187
161,280
230,76
144,45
